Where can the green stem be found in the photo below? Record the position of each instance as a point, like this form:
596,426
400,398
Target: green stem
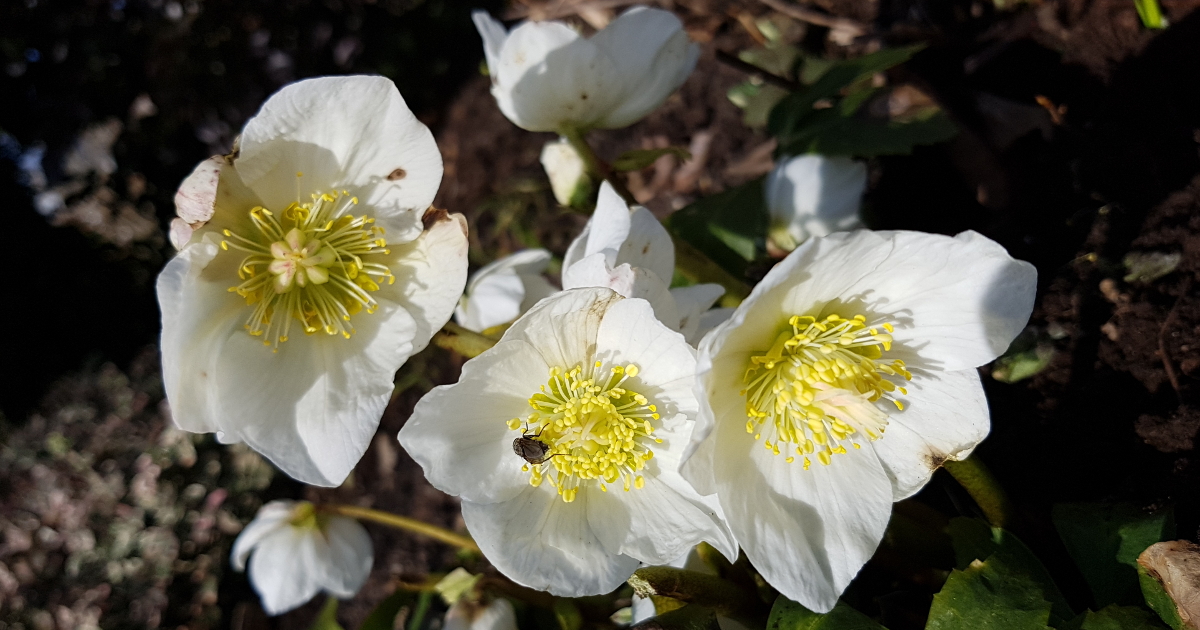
465,342
405,523
978,481
598,167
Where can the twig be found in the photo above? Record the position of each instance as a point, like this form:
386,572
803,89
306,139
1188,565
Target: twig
1162,342
857,29
749,68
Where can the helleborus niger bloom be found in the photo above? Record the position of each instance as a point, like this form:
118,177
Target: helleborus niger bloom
548,77
467,614
564,443
813,195
568,174
503,290
627,250
296,552
311,267
839,386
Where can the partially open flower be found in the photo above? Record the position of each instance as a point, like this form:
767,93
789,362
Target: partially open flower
627,250
547,77
503,290
296,552
839,386
468,614
311,267
568,174
564,442
813,195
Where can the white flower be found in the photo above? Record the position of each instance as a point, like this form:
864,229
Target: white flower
546,76
851,335
306,278
299,552
593,488
813,195
466,614
627,250
569,179
503,290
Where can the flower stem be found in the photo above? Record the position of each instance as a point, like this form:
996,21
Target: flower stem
598,167
978,481
405,523
465,342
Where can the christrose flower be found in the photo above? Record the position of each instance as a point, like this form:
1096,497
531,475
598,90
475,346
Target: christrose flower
299,552
309,271
503,290
569,179
813,195
839,386
627,250
467,614
564,442
548,77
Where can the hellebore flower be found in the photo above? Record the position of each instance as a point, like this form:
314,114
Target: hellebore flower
311,267
547,77
839,386
564,442
466,614
299,552
813,195
629,251
568,174
503,290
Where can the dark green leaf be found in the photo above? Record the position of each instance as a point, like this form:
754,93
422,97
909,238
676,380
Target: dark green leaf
976,540
384,615
690,617
1158,599
788,615
1116,618
567,614
327,618
756,101
639,159
989,595
1105,540
729,227
830,134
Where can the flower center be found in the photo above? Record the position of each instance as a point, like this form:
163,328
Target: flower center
817,387
313,264
594,429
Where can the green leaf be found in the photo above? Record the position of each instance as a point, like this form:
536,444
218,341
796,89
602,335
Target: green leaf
567,614
729,227
868,138
1116,618
690,617
638,159
989,595
788,615
384,615
975,540
327,618
421,610
1151,13
1158,599
756,101
1105,540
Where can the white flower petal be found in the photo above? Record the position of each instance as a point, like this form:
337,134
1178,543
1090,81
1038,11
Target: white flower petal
504,289
692,304
650,47
609,225
541,542
458,433
630,333
813,195
197,193
351,555
807,531
561,327
648,245
468,615
270,518
431,272
946,416
493,34
350,132
285,569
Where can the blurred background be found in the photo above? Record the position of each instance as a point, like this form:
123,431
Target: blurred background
1076,149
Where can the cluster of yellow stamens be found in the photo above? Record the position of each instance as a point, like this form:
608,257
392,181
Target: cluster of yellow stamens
312,264
818,384
596,430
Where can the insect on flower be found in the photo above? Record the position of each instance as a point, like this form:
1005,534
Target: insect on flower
530,448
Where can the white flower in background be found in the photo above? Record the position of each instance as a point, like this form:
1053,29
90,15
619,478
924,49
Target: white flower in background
838,387
564,442
546,76
309,271
503,290
296,552
467,614
569,179
813,195
627,250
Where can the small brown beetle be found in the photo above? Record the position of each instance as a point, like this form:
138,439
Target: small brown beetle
531,449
